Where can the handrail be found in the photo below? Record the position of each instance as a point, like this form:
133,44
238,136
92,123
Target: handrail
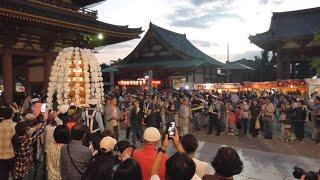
69,6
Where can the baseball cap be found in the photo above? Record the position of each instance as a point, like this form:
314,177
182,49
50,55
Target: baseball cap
108,143
151,134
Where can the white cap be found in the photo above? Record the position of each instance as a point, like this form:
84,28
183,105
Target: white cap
64,108
151,134
108,143
35,100
93,101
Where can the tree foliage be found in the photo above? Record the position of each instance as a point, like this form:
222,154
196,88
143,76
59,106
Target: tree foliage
315,65
264,68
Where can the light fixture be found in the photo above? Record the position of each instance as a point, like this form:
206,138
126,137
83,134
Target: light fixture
314,77
187,87
100,36
146,77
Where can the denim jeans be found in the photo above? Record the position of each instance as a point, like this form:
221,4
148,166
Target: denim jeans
197,119
245,124
136,132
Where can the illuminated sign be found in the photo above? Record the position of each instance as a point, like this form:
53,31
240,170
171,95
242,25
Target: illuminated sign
138,82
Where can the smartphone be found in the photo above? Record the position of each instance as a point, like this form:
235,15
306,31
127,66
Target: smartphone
171,129
43,107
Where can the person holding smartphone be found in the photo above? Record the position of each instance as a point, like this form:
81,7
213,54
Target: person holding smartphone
179,166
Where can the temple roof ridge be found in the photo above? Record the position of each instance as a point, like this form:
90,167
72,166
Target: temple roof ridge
180,43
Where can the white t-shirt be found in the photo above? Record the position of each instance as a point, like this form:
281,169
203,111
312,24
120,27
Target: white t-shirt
202,168
156,177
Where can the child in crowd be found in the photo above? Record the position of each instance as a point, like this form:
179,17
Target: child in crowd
237,115
232,123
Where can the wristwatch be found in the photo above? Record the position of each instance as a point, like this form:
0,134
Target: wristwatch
162,150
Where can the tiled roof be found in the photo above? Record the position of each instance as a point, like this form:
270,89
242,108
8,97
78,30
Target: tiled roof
291,25
236,66
180,43
110,69
164,64
86,2
52,15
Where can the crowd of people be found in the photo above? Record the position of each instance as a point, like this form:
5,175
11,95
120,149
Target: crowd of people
70,142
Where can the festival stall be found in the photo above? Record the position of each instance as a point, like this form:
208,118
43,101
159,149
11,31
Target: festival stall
75,77
228,87
290,85
220,87
313,85
140,82
205,87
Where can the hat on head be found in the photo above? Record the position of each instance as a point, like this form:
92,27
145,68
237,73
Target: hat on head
63,108
151,134
108,143
93,101
35,100
29,117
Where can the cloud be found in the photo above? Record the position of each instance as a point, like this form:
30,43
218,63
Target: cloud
264,1
276,2
203,43
201,2
204,16
183,12
203,21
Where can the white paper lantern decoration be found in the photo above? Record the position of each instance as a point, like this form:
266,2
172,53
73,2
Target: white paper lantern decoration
75,77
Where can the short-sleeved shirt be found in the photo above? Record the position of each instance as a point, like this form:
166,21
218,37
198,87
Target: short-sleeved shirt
146,157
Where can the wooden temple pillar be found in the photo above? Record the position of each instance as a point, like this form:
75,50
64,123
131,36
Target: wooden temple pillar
283,65
47,63
7,75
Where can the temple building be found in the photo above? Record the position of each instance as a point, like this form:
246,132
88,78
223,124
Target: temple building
168,58
292,38
33,31
238,72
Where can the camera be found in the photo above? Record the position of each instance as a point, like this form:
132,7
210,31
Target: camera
299,172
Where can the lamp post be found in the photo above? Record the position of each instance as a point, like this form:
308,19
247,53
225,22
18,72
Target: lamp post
228,70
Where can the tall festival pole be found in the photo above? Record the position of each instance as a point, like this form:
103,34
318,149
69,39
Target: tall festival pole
228,70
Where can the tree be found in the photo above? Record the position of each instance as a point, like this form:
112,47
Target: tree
315,63
265,70
315,66
103,65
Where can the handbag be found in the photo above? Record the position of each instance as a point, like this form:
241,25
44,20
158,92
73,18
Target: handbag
257,125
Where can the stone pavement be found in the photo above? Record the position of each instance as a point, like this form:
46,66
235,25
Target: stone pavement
264,162
259,164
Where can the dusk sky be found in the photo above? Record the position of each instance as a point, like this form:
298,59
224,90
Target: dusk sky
209,24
